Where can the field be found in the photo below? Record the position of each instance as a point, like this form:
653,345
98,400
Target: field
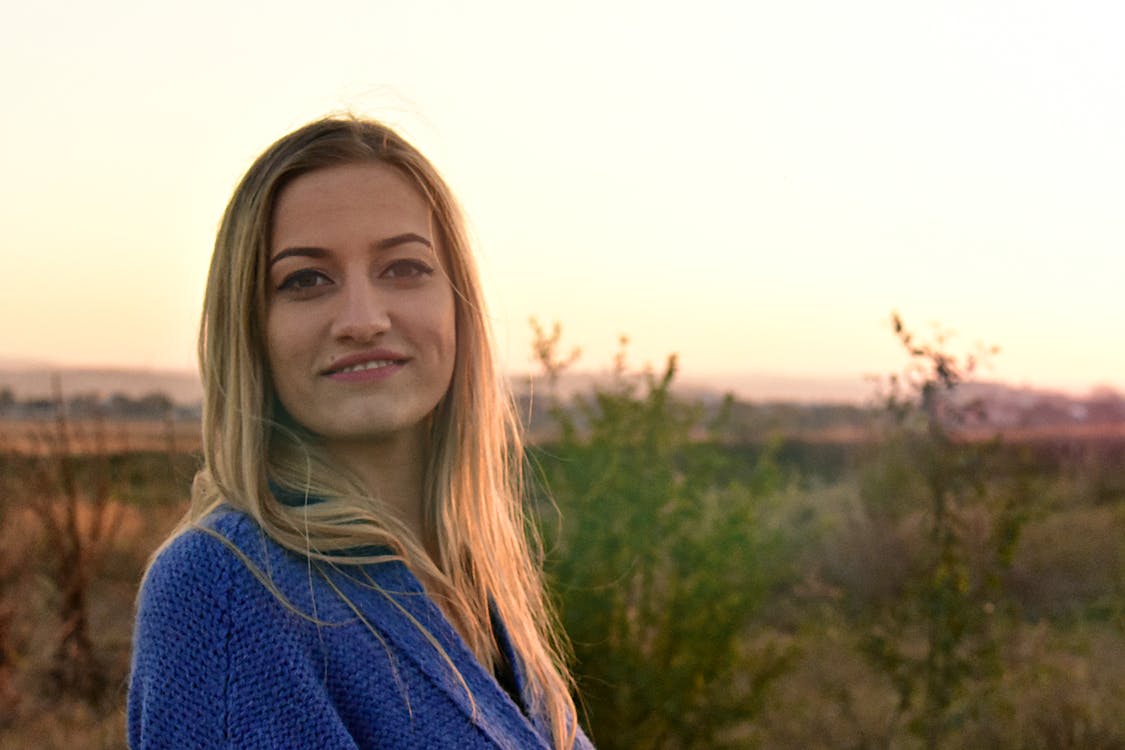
58,690
787,592
37,437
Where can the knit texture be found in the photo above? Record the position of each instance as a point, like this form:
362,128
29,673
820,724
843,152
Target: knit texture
220,662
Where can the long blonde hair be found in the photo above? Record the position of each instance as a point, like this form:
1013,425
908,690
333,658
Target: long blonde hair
473,485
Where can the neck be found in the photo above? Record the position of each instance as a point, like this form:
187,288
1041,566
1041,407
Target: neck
393,471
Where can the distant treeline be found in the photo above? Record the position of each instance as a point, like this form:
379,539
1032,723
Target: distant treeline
982,407
151,406
994,406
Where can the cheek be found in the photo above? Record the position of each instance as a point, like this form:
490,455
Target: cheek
432,318
284,345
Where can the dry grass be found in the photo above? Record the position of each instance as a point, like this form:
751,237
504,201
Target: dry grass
35,715
34,437
67,725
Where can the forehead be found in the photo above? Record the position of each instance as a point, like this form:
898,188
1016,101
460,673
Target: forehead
372,197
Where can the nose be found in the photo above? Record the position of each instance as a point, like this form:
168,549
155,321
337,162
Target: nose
362,313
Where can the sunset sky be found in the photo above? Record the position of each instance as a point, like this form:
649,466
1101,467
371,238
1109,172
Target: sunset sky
754,185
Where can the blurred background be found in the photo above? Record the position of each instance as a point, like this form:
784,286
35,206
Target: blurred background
757,188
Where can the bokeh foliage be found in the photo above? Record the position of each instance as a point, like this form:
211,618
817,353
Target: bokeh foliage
659,571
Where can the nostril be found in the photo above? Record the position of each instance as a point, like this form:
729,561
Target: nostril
361,317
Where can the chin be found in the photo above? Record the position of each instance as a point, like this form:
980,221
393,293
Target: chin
377,427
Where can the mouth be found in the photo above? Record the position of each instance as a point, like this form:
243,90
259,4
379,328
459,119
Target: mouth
365,363
375,364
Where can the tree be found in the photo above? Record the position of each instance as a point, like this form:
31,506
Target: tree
948,602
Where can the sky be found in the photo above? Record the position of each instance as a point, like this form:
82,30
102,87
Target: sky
755,186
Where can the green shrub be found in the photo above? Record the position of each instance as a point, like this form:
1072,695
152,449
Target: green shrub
659,572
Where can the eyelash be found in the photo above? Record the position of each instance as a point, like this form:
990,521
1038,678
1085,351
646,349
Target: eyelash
417,268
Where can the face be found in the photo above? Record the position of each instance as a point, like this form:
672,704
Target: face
360,322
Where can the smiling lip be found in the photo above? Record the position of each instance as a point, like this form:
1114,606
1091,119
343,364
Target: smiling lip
366,367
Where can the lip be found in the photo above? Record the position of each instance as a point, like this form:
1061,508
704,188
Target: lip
394,362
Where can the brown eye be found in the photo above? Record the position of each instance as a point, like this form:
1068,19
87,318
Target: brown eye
304,279
407,269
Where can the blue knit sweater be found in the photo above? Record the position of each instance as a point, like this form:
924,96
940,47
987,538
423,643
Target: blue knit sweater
219,662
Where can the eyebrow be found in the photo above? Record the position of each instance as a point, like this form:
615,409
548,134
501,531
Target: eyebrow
319,252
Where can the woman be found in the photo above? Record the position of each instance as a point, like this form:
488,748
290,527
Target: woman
353,571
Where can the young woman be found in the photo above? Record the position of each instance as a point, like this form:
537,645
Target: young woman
353,571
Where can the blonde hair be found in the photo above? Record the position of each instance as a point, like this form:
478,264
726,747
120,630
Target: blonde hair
473,482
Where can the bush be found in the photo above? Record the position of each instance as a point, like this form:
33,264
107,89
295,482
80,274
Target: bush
660,573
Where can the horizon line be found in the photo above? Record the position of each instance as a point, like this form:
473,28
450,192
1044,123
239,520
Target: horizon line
757,385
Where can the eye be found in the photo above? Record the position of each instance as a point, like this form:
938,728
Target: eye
407,269
303,280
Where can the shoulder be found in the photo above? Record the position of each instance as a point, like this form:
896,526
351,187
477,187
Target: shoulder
197,562
181,638
188,585
191,559
213,572
209,636
201,543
